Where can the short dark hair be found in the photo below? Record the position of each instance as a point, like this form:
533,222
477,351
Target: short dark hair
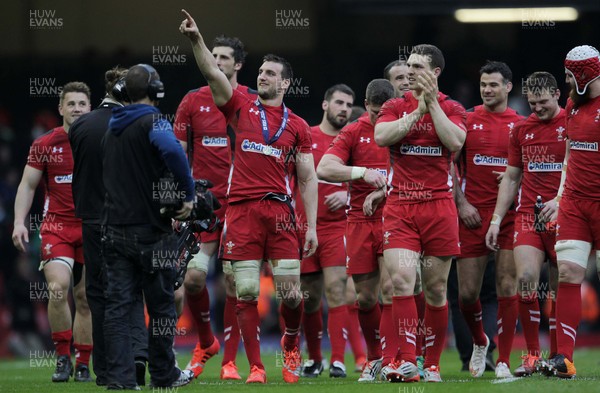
137,80
287,72
379,91
497,66
388,68
342,88
239,54
435,55
112,76
541,82
75,87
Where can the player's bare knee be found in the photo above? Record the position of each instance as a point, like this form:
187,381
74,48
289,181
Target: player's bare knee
194,283
436,292
292,298
526,283
311,304
367,299
336,295
468,295
402,286
80,298
506,287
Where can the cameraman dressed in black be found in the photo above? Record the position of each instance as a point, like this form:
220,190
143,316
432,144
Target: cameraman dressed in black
139,149
85,137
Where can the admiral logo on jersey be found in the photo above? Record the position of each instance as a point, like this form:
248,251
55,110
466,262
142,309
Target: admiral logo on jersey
544,166
214,141
63,179
480,159
588,146
421,150
254,147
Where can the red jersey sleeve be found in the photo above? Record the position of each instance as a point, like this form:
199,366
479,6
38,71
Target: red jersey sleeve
182,119
457,115
237,100
304,138
390,111
342,145
515,158
37,157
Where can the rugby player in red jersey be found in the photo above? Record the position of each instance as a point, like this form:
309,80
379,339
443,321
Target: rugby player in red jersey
211,160
535,157
50,159
482,161
327,268
354,157
578,229
423,129
397,73
268,137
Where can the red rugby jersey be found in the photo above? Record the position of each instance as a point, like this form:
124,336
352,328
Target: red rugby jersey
212,148
420,162
485,150
51,154
538,149
583,169
326,220
260,168
356,146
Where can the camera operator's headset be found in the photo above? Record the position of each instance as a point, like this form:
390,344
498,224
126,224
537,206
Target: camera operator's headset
155,90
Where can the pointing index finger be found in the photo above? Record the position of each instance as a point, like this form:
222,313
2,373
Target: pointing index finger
187,15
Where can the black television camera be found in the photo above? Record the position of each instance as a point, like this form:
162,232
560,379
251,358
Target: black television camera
201,219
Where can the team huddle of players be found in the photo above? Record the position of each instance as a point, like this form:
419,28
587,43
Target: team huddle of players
412,183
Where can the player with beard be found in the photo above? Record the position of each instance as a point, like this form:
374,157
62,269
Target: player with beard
535,156
50,158
482,162
578,226
211,160
268,137
355,158
327,268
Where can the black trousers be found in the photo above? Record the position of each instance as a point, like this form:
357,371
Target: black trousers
95,286
138,256
489,306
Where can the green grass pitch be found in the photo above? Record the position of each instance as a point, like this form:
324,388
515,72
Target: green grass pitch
34,376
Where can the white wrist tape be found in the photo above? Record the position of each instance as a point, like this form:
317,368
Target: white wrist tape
496,219
358,172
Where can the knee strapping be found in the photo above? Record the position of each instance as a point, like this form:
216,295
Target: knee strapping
247,279
200,262
285,267
576,251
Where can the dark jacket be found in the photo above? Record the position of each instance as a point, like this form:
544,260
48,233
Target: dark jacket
140,153
85,137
